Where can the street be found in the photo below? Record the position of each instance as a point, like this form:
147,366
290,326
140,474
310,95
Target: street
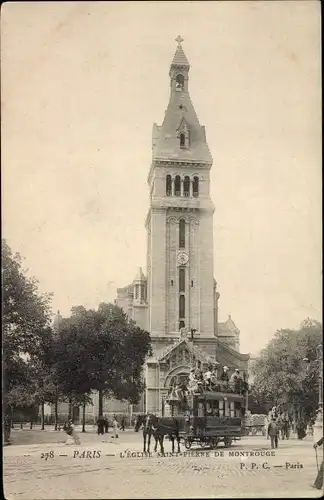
102,467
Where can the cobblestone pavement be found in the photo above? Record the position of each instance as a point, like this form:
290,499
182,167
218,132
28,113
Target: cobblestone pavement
120,473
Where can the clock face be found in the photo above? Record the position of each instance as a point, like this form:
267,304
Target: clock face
182,258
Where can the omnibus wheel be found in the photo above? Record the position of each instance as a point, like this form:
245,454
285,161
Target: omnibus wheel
214,443
227,442
187,443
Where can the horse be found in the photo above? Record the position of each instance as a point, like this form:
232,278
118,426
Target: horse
140,419
158,428
146,420
164,426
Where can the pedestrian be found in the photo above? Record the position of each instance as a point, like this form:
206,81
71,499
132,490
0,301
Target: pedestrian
106,424
100,425
319,479
122,424
115,427
273,432
266,425
301,429
70,431
7,428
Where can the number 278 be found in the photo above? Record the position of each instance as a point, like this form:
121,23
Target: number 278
47,455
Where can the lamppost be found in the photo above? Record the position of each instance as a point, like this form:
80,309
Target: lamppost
318,426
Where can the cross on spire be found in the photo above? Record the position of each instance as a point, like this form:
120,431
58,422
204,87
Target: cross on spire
179,39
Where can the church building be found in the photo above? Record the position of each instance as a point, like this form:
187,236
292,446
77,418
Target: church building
177,299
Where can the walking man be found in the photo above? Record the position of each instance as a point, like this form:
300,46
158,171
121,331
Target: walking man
266,425
122,424
106,424
273,432
319,479
100,425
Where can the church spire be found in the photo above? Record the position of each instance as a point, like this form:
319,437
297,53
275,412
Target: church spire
180,58
179,70
180,137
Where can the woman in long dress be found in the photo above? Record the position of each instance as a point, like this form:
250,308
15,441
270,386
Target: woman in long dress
70,431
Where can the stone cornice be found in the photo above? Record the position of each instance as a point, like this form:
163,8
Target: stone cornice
162,162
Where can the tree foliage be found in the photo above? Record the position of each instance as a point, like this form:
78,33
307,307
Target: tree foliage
26,332
101,350
282,375
93,349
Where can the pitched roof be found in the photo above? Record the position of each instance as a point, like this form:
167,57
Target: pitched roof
165,140
125,289
235,354
228,328
180,58
139,275
189,345
166,145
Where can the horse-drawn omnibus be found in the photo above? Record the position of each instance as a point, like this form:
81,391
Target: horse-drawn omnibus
207,417
212,418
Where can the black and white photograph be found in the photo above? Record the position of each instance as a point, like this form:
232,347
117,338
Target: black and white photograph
161,249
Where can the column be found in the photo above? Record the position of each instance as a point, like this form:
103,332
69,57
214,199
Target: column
191,188
181,187
173,186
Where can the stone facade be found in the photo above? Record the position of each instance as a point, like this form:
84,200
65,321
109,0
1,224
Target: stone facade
178,300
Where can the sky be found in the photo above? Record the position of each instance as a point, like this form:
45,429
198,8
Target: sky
82,84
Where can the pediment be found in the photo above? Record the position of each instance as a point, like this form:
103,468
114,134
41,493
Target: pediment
183,352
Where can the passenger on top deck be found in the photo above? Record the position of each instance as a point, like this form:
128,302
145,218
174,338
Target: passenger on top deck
207,377
224,375
235,380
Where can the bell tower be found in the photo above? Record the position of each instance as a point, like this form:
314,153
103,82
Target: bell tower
179,223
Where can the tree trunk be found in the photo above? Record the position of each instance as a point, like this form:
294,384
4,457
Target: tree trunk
42,416
83,415
31,424
100,402
55,415
21,424
70,408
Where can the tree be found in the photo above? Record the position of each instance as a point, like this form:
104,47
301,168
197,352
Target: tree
281,375
101,351
26,318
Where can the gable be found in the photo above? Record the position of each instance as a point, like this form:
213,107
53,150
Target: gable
184,352
231,358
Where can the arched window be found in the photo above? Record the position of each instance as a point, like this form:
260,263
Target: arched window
182,141
168,185
179,83
182,233
177,185
195,187
182,306
186,186
182,279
